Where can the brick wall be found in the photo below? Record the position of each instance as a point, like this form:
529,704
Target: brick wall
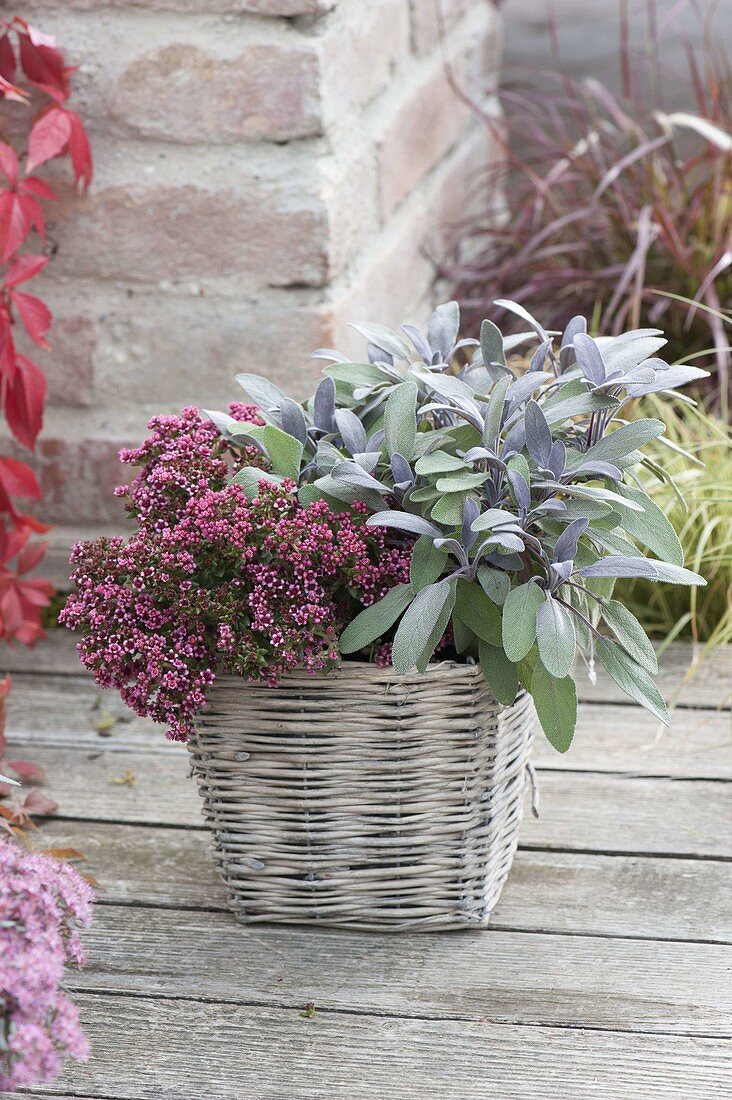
265,171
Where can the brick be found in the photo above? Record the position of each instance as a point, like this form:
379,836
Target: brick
429,118
197,346
273,8
430,19
160,231
363,44
69,365
184,93
77,477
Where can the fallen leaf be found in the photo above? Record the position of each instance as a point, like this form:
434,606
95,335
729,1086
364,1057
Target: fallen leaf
127,780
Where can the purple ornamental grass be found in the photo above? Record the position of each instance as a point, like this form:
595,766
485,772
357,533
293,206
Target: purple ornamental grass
44,903
617,207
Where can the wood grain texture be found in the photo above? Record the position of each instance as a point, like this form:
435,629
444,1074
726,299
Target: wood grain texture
709,687
147,1049
609,738
546,891
586,812
506,977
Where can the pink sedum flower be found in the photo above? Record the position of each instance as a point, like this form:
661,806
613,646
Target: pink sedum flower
43,905
213,582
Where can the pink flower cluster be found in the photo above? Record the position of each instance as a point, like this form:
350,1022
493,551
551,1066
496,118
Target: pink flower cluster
215,583
43,905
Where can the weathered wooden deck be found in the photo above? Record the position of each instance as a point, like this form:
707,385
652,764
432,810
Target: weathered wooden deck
606,971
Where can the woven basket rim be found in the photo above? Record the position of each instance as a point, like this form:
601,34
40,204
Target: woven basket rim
448,670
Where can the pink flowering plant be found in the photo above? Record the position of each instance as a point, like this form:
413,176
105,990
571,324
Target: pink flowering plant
432,499
44,904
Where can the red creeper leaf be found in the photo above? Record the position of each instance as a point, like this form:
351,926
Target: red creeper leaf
49,137
15,223
35,315
23,268
81,158
24,400
7,59
9,162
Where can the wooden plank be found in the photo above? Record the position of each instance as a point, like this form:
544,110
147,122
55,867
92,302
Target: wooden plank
607,813
710,686
629,740
546,891
586,812
175,1050
505,977
609,737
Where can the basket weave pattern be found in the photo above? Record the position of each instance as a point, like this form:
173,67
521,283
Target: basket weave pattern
364,799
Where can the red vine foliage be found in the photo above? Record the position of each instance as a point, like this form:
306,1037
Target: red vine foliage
35,77
36,81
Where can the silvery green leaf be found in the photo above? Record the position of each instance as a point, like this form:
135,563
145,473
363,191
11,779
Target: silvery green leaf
631,678
416,630
353,474
376,439
225,423
293,420
367,460
460,482
285,452
348,492
538,434
330,354
401,471
514,307
351,430
556,706
454,547
612,543
373,623
439,462
589,357
652,528
400,420
520,490
494,583
377,355
561,571
520,390
249,478
630,634
449,509
491,343
667,380
499,673
262,392
471,509
443,328
591,509
552,505
589,491
506,541
422,347
324,404
495,517
405,521
427,563
519,619
446,385
555,637
384,339
515,439
566,352
598,469
557,458
621,442
631,348
516,339
355,374
565,547
473,418
538,359
618,566
493,414
477,611
583,405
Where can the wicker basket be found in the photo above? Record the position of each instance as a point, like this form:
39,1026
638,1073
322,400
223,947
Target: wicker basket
364,799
